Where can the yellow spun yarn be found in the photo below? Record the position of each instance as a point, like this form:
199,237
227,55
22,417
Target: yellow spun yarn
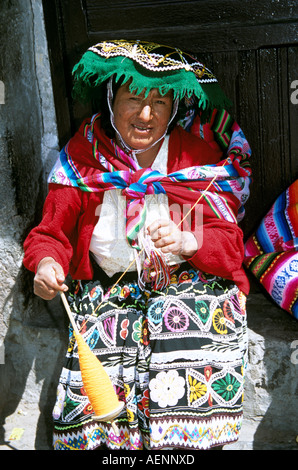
97,383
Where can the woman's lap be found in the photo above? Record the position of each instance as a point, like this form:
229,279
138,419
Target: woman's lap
175,357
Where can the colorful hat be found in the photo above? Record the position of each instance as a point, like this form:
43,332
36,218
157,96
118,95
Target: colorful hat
148,65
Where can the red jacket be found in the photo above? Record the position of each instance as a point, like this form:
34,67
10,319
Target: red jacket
69,220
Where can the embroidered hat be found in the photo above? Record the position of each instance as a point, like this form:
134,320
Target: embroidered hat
148,65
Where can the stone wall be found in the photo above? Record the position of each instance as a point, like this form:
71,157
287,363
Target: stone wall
29,331
271,388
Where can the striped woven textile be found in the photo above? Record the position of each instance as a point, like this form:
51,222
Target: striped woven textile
271,253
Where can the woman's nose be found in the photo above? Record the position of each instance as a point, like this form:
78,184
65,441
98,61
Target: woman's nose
146,112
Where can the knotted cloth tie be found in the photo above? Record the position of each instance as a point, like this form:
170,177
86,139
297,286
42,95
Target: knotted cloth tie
142,182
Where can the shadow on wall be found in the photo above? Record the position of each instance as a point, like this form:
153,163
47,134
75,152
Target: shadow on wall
35,348
34,330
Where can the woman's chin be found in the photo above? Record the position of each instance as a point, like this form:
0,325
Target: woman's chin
142,143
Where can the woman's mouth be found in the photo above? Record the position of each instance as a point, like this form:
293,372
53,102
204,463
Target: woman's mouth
143,129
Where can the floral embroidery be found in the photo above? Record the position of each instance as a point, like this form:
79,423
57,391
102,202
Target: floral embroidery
140,331
219,322
207,372
94,293
193,275
167,388
137,331
88,409
197,389
202,310
69,406
173,279
176,320
239,303
242,302
134,291
227,311
115,291
207,375
202,276
109,325
155,312
226,387
126,390
125,291
184,277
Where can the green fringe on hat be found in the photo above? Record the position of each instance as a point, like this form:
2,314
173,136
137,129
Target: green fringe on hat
92,70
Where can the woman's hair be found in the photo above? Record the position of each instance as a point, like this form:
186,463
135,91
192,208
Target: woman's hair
102,105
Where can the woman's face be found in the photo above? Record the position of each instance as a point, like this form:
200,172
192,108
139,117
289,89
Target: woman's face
141,121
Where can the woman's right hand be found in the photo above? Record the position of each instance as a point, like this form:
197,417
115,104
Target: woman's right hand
49,279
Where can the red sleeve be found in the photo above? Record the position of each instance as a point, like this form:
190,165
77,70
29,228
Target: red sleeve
54,235
221,252
221,248
220,242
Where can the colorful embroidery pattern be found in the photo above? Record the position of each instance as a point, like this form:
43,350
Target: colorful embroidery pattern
176,357
271,252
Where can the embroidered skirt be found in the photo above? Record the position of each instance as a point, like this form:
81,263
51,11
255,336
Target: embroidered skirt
176,358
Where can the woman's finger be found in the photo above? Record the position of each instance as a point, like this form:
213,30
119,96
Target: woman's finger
161,228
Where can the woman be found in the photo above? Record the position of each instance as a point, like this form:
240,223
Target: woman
158,288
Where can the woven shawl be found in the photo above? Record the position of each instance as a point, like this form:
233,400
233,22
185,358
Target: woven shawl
271,253
91,162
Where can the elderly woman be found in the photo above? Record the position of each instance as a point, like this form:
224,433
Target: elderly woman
142,211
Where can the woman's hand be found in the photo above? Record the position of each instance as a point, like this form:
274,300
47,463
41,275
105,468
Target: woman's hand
49,279
166,235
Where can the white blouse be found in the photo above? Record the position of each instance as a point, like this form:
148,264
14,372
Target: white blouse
109,244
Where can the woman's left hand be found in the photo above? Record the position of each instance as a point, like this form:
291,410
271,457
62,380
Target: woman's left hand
166,235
